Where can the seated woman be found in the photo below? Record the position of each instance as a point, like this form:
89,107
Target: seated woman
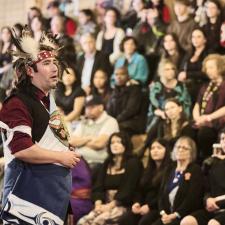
116,183
181,191
110,37
145,201
135,62
214,212
6,73
210,100
69,95
172,50
176,123
100,85
166,87
191,72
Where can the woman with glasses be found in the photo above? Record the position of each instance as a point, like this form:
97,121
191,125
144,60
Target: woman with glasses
214,212
182,187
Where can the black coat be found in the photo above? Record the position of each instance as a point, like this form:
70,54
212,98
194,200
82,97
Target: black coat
127,104
189,196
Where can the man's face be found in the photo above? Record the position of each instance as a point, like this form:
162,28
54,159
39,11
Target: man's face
47,74
180,9
88,44
93,112
121,77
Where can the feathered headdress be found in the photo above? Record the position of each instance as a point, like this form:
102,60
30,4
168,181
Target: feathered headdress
29,51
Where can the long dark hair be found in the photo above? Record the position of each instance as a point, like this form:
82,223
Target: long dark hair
178,46
152,173
61,87
107,88
126,142
180,122
11,41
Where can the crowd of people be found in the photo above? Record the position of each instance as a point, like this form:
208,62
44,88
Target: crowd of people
138,72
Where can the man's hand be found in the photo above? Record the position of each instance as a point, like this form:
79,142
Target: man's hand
69,158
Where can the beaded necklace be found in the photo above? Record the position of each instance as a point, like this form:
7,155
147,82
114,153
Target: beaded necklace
211,89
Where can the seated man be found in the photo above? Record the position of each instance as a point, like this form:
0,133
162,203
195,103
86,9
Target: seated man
128,103
90,61
92,134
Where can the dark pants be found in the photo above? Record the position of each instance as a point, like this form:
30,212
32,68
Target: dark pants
206,137
130,218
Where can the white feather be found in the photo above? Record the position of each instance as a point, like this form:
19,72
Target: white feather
45,41
30,46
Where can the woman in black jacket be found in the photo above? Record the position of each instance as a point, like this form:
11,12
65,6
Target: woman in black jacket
182,187
144,208
214,212
116,182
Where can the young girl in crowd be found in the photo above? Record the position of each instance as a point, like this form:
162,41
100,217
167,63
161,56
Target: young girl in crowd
145,201
116,183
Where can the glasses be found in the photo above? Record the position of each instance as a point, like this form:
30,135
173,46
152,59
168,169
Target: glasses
185,148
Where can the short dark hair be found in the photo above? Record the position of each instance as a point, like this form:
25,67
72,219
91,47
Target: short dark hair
127,38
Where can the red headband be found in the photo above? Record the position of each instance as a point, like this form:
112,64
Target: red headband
44,55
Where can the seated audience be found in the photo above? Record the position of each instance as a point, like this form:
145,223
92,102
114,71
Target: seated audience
134,15
166,87
191,69
172,50
91,61
210,101
116,183
92,134
135,62
183,24
6,73
69,95
109,38
162,8
214,15
149,34
54,10
214,212
145,200
181,191
37,27
176,123
86,24
101,85
125,103
68,52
